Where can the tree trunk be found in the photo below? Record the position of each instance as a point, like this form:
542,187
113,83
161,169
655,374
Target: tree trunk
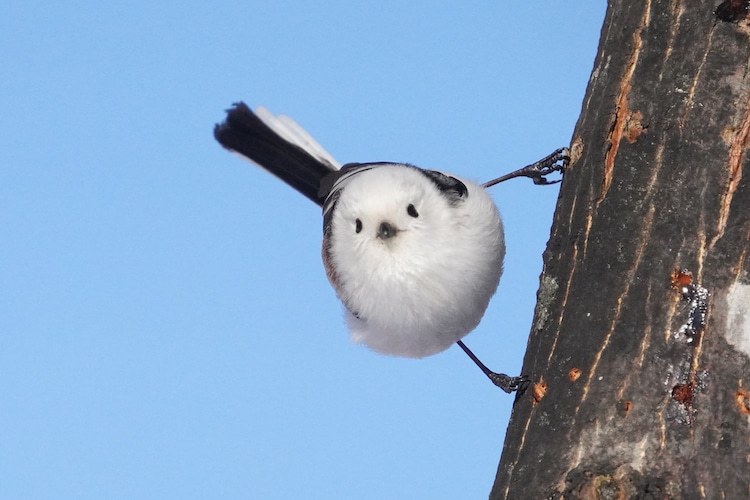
640,374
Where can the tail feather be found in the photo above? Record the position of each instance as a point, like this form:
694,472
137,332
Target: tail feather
278,145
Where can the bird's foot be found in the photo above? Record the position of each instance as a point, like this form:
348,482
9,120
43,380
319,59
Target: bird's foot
508,383
538,171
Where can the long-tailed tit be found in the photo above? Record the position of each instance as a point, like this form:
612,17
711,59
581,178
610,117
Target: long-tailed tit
415,255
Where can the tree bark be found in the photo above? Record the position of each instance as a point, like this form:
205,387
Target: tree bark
640,374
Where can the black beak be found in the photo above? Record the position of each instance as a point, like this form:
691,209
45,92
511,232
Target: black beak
386,230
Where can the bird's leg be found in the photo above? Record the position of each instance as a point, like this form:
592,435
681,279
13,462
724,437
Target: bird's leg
537,171
503,381
555,162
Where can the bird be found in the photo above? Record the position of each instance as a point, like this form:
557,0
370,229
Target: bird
414,255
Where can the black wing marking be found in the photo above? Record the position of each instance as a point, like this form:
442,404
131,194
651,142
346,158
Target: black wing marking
452,188
248,135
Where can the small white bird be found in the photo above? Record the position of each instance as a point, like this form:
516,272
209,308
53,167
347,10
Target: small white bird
414,255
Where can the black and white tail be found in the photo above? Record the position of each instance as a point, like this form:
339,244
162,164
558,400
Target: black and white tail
279,145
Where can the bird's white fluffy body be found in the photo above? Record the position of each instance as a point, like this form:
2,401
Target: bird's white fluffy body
416,293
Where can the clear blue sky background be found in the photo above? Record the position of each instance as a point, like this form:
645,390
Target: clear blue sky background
166,328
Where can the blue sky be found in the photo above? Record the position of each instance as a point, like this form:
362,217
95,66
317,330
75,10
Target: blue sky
166,328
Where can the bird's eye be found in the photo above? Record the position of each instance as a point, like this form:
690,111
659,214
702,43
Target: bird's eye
357,226
412,211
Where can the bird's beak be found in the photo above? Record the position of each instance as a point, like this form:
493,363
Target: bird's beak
386,230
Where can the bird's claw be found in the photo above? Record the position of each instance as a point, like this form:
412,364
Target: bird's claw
555,162
508,383
537,171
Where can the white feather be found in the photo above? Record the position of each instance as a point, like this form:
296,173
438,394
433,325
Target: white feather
417,293
292,132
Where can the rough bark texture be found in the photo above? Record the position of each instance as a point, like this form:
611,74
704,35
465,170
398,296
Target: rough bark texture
625,402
